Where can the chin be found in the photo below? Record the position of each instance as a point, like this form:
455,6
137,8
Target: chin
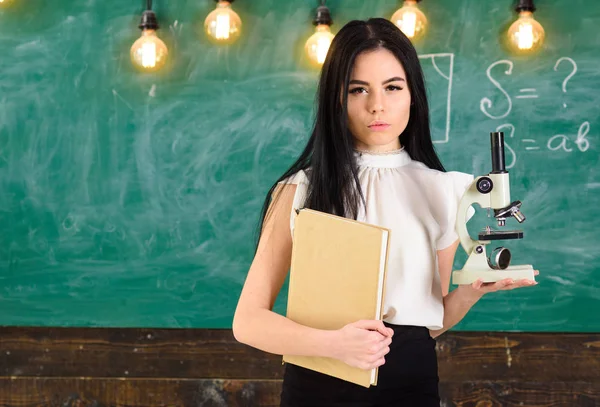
380,139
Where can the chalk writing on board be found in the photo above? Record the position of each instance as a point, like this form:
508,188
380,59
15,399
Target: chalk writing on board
176,28
485,104
527,94
447,76
573,71
557,142
528,140
561,141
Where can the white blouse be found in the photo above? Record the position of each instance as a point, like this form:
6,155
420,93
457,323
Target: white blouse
419,206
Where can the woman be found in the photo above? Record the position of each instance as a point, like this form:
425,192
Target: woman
371,158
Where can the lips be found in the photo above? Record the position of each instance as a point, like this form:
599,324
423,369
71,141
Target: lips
379,126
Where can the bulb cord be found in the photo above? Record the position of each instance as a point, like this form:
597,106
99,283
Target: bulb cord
525,5
148,21
322,16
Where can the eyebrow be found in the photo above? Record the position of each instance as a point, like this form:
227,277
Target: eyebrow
394,79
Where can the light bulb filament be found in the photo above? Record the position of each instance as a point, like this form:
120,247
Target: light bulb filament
525,36
323,44
149,55
408,23
223,26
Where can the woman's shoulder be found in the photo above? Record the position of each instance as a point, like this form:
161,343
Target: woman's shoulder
299,177
460,180
444,176
450,184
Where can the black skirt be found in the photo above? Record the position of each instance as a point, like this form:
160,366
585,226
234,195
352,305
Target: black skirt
409,378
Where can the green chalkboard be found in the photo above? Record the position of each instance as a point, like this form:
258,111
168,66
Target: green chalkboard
130,200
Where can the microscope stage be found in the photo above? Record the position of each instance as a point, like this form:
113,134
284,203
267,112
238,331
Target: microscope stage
501,235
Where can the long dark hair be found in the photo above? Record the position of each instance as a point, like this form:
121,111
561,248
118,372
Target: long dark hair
333,177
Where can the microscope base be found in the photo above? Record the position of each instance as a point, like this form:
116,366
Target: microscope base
469,276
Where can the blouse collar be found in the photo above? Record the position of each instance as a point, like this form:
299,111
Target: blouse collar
390,159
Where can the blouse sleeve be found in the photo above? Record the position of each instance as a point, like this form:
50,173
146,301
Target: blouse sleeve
301,181
455,186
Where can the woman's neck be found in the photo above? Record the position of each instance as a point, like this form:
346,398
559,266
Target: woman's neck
380,152
378,149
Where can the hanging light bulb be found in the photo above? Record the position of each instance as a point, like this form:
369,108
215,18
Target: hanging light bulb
410,19
149,53
318,44
525,34
223,25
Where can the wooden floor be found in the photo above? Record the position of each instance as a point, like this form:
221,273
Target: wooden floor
199,367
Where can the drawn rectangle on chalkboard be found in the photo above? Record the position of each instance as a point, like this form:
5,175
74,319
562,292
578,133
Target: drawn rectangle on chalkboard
439,70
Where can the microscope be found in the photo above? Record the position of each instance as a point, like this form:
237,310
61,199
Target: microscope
490,191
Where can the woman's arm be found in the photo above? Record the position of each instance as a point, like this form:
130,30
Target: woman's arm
362,344
459,301
254,323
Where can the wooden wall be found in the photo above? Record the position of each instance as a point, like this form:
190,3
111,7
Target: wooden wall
201,367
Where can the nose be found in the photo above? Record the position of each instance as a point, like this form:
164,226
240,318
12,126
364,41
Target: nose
376,102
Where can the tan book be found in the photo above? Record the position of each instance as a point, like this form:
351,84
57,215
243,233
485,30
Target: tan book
337,277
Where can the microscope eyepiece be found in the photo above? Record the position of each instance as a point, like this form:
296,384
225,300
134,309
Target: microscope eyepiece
497,142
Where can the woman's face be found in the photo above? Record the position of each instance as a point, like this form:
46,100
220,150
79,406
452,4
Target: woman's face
378,101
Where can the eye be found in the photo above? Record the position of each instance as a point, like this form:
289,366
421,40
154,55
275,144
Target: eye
392,87
357,90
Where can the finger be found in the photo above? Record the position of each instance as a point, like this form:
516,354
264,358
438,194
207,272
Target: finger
384,330
382,350
373,325
379,362
536,272
526,283
482,287
504,284
497,286
380,330
372,364
519,284
386,341
477,284
382,353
